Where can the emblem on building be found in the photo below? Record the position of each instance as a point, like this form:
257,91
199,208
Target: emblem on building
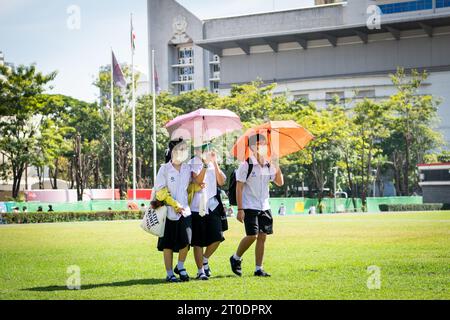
180,25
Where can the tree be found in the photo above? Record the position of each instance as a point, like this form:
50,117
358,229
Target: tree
371,121
21,101
412,128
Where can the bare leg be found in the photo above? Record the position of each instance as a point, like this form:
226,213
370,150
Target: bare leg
182,255
259,249
245,244
198,255
168,259
211,249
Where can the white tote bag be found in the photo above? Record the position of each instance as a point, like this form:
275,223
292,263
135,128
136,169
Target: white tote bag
154,221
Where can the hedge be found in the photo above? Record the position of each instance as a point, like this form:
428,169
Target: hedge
46,217
411,207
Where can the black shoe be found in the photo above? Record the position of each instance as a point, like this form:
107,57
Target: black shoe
207,271
172,279
183,278
261,273
236,266
202,276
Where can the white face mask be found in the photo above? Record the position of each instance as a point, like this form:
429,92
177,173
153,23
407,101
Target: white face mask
263,151
180,156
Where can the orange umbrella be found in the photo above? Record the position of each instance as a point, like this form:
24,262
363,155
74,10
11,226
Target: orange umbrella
283,137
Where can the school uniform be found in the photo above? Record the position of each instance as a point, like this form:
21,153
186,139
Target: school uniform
208,229
178,229
255,196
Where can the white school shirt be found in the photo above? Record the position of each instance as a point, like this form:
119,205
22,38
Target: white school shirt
255,194
211,185
177,183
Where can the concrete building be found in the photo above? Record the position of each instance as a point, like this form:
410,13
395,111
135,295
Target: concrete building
435,182
335,48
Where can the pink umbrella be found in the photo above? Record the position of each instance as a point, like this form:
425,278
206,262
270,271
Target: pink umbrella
203,125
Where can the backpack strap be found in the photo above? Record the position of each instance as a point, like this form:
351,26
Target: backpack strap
250,168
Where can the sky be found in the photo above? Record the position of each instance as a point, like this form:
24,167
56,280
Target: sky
74,37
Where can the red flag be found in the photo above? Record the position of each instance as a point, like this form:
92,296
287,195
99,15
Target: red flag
118,78
133,36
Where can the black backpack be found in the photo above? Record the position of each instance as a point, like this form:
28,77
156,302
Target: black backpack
233,183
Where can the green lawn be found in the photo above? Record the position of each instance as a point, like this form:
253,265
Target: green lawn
310,257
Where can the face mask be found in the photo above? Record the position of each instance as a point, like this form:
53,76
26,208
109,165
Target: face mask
180,156
263,150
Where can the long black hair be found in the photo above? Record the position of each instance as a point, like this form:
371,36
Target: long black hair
172,145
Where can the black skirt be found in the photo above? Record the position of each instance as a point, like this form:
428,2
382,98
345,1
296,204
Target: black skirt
207,230
177,234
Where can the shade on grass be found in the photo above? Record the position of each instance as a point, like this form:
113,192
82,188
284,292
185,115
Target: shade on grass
310,257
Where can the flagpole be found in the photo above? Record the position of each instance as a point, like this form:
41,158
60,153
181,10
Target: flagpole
155,163
134,111
112,127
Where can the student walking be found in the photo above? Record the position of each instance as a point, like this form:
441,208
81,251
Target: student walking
252,194
175,176
206,209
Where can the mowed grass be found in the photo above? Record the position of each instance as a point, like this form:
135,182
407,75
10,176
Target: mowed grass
310,257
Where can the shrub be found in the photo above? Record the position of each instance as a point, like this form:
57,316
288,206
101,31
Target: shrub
50,217
411,207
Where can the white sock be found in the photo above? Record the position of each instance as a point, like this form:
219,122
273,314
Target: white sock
205,263
236,257
170,273
201,271
180,266
258,268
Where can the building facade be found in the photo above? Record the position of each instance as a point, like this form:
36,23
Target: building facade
343,48
435,182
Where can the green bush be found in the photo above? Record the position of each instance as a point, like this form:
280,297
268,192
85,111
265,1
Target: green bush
50,217
411,207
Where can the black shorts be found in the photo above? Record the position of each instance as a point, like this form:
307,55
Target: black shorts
206,230
177,234
258,222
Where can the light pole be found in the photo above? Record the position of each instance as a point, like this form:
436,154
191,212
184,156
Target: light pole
374,172
334,186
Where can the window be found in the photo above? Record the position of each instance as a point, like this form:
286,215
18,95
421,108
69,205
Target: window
186,87
186,74
331,96
185,55
361,94
185,68
442,3
301,97
416,5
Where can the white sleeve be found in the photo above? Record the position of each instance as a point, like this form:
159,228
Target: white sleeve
242,172
161,178
273,173
196,167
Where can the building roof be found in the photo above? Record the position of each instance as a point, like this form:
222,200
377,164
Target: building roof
427,22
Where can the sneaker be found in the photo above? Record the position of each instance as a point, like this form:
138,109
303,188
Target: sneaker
236,266
261,273
207,270
183,278
202,276
172,279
